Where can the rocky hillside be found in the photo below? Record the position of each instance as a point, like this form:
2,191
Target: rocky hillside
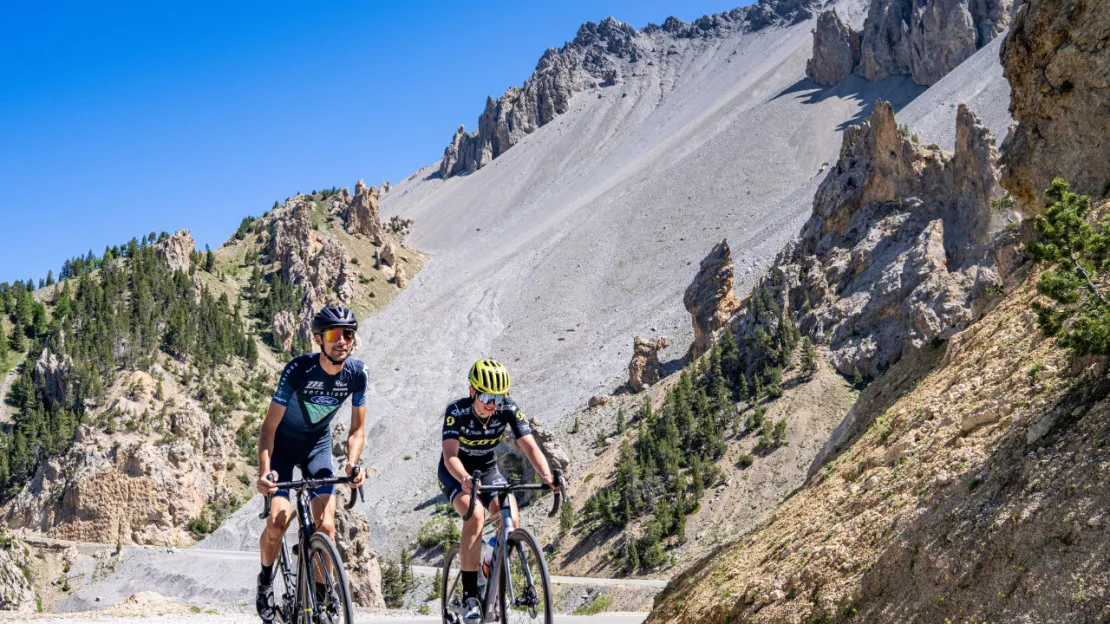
599,56
966,483
137,412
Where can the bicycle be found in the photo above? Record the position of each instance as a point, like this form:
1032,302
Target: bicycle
518,573
301,602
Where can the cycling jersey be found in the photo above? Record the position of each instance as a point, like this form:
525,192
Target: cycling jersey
478,437
312,397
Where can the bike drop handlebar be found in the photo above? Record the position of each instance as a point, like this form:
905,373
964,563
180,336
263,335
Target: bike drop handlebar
307,483
559,499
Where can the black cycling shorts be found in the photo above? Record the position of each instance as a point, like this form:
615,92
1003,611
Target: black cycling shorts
313,458
451,487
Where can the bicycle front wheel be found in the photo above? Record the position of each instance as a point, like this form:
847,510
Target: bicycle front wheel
327,597
450,586
526,588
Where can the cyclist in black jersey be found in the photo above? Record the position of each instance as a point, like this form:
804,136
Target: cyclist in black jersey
297,432
472,427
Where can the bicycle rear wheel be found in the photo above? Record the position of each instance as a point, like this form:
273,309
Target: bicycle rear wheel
450,586
526,589
328,593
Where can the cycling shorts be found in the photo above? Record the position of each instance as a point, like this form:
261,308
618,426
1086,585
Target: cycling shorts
312,457
451,487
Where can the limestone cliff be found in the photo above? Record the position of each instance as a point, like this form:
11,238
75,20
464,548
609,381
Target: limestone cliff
1055,57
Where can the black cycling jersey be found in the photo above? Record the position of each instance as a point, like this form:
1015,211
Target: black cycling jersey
477,437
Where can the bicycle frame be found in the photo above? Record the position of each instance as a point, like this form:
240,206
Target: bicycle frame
306,528
501,553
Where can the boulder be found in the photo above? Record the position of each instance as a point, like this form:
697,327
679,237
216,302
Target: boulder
644,368
709,298
176,250
836,50
388,254
399,277
1056,57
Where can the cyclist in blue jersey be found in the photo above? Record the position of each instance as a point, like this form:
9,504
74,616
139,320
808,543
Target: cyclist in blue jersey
297,432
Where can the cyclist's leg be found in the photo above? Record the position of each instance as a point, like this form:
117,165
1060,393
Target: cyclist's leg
494,477
470,546
319,466
281,510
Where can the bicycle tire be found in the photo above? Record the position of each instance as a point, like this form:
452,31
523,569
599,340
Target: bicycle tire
450,589
321,549
525,552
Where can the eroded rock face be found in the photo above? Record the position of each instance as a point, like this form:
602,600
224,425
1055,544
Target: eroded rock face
321,267
292,239
177,250
926,39
645,367
119,487
599,54
1057,60
16,592
352,538
51,377
898,250
836,50
339,203
362,214
284,330
709,298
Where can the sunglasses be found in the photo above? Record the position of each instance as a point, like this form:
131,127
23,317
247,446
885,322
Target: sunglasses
497,399
333,335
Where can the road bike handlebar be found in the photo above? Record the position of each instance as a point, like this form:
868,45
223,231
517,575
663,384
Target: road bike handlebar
559,499
307,483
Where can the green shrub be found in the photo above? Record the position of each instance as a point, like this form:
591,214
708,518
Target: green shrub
1078,255
437,531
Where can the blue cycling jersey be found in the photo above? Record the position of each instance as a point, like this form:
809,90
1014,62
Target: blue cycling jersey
312,397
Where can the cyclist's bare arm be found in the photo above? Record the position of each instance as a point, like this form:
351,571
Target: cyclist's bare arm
455,465
536,458
266,446
355,441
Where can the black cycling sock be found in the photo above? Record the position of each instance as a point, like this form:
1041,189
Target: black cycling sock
267,574
470,584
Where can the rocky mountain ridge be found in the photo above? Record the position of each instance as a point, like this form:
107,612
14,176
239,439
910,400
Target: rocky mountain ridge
923,39
596,58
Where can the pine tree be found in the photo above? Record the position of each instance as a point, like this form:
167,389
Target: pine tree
857,378
16,339
809,358
620,421
209,259
50,277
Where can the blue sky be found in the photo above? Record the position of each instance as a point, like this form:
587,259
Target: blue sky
121,118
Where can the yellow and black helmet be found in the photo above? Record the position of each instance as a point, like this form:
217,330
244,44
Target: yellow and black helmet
490,377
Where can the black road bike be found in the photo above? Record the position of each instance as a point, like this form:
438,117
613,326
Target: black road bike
518,576
311,587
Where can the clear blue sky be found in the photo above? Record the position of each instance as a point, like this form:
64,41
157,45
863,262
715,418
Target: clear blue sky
121,118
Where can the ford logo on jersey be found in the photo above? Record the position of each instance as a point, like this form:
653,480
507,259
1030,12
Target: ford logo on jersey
324,400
